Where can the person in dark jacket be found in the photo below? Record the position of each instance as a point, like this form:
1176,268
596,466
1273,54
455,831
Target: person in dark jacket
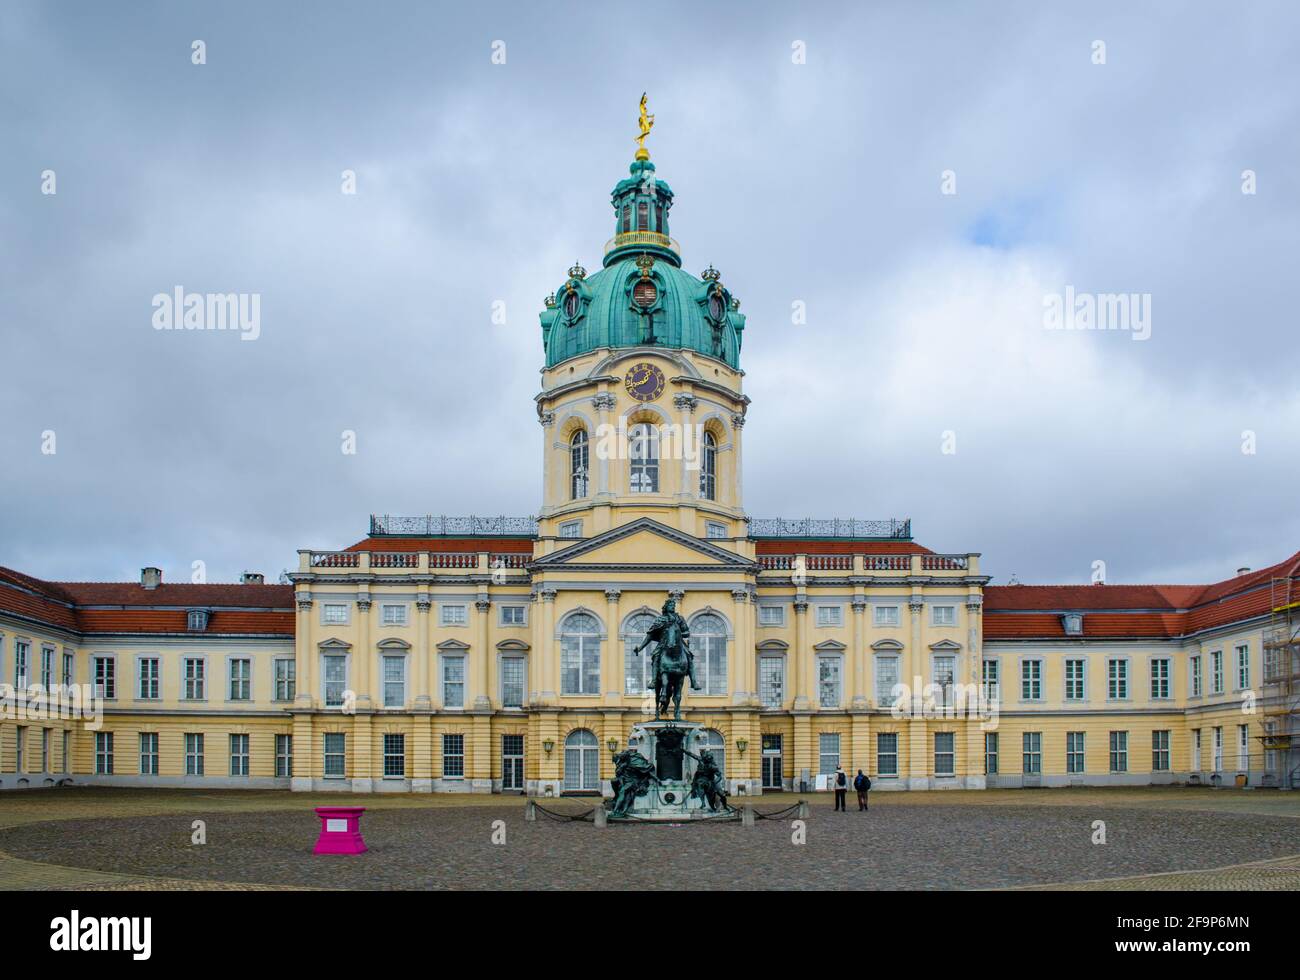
840,783
862,783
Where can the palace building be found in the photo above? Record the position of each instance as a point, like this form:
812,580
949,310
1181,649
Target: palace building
499,655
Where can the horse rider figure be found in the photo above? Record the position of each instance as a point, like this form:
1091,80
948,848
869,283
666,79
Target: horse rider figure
659,633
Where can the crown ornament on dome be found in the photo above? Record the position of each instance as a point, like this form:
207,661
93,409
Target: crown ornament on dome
645,263
550,301
577,271
710,274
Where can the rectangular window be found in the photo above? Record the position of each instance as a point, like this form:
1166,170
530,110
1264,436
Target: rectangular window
580,664
943,615
1243,747
336,679
453,682
286,679
335,755
335,614
69,664
771,681
284,755
453,615
1218,748
771,616
886,680
885,615
47,667
104,753
195,668
712,529
194,754
239,755
1119,751
1031,680
514,615
67,746
21,678
512,682
945,753
241,679
1216,672
828,682
991,753
1074,753
1075,689
887,753
945,676
453,756
393,615
1160,751
1032,745
45,749
394,756
1243,668
829,615
105,677
394,682
991,680
20,748
1195,671
1159,679
1196,750
828,749
1117,679
571,529
148,753
149,674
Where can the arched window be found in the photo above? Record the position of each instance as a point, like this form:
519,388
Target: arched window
636,666
712,740
580,654
709,641
581,762
627,217
709,467
578,465
643,216
659,219
643,449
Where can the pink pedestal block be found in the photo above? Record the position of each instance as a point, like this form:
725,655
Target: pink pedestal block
340,830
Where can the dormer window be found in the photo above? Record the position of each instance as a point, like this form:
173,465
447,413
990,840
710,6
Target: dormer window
643,216
1073,624
198,620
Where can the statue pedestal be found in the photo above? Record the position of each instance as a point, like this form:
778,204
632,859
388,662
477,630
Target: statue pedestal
665,744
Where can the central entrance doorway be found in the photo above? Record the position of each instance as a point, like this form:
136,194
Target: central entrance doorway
772,768
512,763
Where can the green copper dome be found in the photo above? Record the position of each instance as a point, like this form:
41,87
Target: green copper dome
642,296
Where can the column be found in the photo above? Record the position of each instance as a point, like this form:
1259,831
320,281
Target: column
479,658
914,662
800,670
548,664
423,700
604,404
858,657
689,486
307,666
743,654
974,734
612,665
361,663
546,420
737,424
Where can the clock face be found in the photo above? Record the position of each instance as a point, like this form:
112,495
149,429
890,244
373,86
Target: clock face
644,382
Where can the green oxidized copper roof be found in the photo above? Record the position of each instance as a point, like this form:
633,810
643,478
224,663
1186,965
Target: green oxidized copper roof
642,295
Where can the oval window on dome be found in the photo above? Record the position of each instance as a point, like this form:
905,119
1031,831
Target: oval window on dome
717,306
572,303
645,293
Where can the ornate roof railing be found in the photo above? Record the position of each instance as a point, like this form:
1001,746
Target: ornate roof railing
432,525
626,238
778,527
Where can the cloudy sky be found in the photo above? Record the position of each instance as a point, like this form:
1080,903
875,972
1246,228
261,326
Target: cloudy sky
819,182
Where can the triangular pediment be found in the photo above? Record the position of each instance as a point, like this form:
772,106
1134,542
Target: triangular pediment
644,543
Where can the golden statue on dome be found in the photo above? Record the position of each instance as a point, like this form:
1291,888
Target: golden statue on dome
646,122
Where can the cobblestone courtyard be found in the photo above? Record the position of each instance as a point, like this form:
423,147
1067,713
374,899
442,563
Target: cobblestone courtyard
1156,838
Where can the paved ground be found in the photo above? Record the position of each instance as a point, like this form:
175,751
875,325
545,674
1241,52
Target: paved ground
1166,838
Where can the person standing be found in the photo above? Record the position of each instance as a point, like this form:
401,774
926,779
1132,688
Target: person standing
840,782
862,783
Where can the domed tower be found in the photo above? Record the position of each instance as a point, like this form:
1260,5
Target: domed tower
641,402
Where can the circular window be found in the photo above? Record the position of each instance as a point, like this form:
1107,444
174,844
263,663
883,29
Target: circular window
645,293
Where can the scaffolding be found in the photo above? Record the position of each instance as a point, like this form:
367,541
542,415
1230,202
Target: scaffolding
1280,693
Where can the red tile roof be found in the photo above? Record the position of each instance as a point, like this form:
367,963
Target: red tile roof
127,607
1155,611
